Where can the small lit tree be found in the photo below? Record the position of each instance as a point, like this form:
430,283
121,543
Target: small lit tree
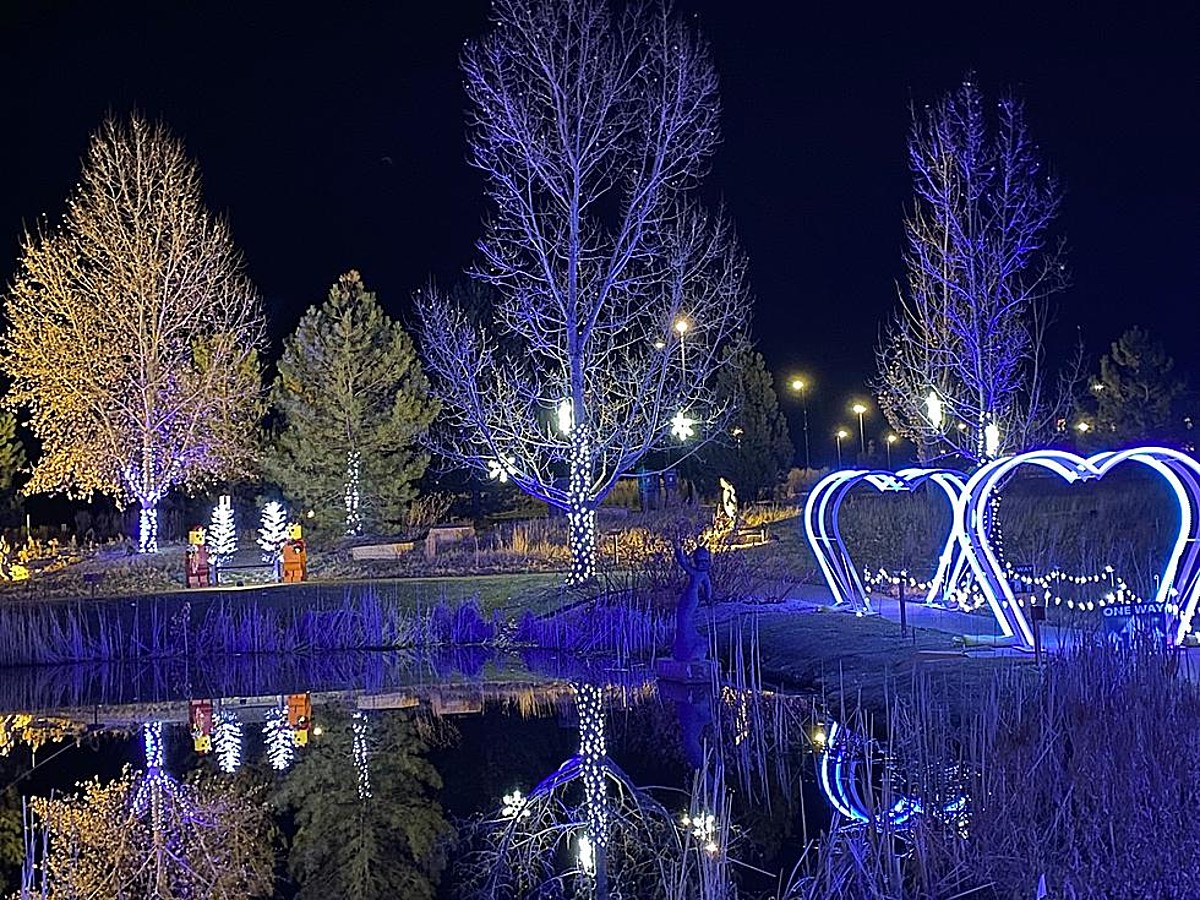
615,294
133,331
961,366
222,531
272,531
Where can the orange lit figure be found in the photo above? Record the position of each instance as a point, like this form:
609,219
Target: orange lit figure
299,708
295,555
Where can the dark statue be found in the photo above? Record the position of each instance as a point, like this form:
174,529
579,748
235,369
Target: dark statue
690,645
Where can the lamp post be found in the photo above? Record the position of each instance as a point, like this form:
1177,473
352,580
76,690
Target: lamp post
841,434
800,386
891,439
859,409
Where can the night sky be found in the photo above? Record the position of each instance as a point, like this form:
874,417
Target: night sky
334,139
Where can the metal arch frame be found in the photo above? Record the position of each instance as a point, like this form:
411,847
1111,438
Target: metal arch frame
824,536
1181,573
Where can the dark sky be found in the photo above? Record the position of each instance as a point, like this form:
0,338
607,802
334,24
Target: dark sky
334,139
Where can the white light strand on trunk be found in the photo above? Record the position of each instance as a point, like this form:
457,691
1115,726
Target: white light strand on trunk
358,729
353,510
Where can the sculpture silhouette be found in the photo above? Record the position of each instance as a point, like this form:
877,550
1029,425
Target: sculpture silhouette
689,644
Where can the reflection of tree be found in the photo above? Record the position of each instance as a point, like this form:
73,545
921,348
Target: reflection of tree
376,843
147,836
584,831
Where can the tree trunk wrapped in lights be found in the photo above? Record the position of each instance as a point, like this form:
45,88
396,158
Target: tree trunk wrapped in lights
134,331
593,130
961,367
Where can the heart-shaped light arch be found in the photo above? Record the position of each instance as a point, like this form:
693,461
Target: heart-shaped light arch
825,537
1178,583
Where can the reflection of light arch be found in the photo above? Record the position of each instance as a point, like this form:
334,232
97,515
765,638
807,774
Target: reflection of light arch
1178,583
824,534
838,772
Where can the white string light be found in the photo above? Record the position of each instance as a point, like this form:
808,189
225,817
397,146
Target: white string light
227,741
279,738
358,731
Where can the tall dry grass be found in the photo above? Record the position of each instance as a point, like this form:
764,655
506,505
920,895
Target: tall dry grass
1082,774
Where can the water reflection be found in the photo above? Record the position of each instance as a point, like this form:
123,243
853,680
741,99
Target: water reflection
364,767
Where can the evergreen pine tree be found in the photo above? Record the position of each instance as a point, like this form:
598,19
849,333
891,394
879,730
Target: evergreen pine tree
756,452
353,403
1135,399
378,842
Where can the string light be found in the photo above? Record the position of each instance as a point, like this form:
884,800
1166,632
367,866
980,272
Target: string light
148,528
593,754
227,741
824,535
703,827
500,471
682,427
581,518
358,732
513,806
279,738
353,511
222,531
1179,578
272,531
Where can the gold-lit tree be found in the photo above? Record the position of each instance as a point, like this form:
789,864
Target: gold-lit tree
149,836
134,332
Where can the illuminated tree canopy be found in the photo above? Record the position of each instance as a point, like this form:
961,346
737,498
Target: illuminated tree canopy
616,294
211,839
134,332
973,313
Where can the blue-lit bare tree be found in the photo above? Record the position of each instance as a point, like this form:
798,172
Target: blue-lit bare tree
616,294
961,367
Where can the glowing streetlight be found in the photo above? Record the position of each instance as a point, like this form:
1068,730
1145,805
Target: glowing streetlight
841,435
660,344
800,386
1083,427
935,409
859,409
681,325
891,439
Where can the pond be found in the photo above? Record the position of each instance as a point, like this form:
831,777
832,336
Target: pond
450,774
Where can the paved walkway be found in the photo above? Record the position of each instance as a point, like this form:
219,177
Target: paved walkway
979,630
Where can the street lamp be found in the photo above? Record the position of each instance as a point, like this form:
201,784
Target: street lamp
1083,427
891,439
841,435
858,409
800,386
